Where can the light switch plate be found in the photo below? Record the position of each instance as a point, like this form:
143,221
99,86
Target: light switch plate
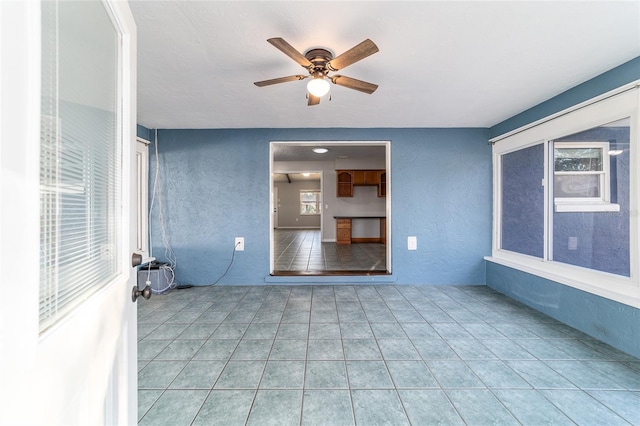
412,243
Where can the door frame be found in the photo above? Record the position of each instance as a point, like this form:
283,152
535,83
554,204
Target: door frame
275,200
79,371
273,146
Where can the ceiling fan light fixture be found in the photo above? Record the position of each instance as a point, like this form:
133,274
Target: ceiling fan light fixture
318,86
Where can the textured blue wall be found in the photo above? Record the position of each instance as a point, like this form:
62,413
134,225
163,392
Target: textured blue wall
144,133
215,186
612,322
610,80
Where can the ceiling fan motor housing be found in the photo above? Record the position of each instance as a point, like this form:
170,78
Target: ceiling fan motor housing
319,58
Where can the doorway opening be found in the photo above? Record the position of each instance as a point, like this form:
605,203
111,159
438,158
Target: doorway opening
317,228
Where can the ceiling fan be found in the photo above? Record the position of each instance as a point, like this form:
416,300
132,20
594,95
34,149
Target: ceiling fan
319,62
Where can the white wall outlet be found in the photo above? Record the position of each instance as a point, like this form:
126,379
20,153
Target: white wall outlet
573,243
412,243
239,243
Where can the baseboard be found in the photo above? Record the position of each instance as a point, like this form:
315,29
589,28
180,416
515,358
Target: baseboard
365,240
297,227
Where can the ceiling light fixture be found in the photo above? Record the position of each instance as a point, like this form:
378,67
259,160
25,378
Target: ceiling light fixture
318,86
306,174
320,150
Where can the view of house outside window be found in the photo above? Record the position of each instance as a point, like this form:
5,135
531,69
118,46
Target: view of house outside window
310,202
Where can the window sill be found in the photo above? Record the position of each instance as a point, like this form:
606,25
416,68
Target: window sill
586,207
613,287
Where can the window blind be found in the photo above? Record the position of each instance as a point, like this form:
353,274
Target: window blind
80,156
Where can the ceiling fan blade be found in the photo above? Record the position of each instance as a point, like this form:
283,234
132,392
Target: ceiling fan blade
290,51
354,84
313,100
352,55
280,80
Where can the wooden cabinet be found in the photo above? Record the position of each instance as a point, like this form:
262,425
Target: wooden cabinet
347,179
344,179
343,231
366,177
382,184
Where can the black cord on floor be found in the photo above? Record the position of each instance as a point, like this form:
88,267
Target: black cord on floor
228,267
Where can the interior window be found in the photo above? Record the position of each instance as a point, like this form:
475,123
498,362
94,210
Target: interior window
588,215
523,201
591,196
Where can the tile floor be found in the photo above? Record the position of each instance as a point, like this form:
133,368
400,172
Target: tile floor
303,250
372,355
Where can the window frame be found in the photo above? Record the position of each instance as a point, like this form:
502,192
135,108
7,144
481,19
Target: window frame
68,280
609,107
318,201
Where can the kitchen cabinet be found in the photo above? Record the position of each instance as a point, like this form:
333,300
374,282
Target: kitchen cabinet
347,179
344,228
343,231
382,184
344,179
366,177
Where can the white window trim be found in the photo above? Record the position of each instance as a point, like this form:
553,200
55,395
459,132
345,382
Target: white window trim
142,196
609,107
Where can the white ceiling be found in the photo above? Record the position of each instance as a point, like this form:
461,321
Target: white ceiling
440,64
336,151
295,177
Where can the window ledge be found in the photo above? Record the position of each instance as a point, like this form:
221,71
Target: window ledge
586,207
612,287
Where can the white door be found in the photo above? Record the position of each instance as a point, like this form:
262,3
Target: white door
81,368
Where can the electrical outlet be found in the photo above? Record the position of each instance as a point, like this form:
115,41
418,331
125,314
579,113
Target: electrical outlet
412,243
573,243
239,243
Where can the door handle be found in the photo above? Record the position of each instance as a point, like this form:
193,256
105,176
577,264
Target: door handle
145,292
136,260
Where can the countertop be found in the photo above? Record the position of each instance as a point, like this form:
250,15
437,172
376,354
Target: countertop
359,217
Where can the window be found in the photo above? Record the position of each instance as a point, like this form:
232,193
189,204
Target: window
80,156
581,177
523,201
565,193
310,203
